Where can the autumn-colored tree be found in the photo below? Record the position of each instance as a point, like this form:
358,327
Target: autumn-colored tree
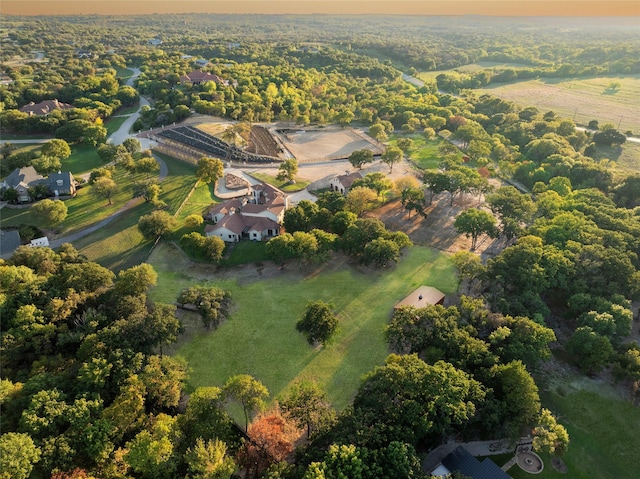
271,439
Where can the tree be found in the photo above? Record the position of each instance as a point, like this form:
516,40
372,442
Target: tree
474,222
391,156
205,417
308,405
378,132
156,224
360,157
405,144
376,181
436,182
408,400
381,252
104,187
146,165
514,397
164,377
132,145
468,266
280,248
193,221
271,440
136,280
609,137
288,170
590,350
209,460
209,170
550,437
50,212
413,199
333,201
213,248
318,323
56,148
46,164
212,303
151,453
248,392
19,455
360,199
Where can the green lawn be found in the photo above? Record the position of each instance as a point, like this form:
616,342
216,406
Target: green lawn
260,338
300,183
246,252
424,153
124,73
603,430
83,159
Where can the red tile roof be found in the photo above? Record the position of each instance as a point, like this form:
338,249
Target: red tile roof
45,107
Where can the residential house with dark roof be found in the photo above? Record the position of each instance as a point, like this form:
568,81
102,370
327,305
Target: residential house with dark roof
44,107
62,183
462,461
21,179
342,183
9,242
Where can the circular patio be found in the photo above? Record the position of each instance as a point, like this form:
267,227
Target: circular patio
530,462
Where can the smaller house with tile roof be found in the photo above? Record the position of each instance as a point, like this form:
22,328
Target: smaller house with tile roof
256,217
342,183
44,107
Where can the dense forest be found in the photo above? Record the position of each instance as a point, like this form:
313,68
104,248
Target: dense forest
86,390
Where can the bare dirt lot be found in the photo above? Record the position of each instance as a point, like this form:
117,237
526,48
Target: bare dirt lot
324,144
437,230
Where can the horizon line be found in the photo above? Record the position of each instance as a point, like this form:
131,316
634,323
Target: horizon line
434,8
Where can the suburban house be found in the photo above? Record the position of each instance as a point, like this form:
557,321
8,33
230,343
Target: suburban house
9,242
23,179
62,183
342,183
201,63
45,107
256,217
462,461
196,77
422,297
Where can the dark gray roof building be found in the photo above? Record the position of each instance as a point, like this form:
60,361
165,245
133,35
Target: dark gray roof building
9,241
460,460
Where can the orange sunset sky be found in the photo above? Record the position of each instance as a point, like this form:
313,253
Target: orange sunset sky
586,8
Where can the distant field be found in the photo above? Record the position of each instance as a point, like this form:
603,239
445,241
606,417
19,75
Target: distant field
580,99
260,337
472,67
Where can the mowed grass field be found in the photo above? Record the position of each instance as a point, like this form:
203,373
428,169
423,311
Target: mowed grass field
603,430
259,337
580,99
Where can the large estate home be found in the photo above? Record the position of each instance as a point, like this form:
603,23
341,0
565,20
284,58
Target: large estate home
342,183
196,77
44,107
256,216
24,179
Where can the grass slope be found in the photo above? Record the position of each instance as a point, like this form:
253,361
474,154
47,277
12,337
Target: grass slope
260,339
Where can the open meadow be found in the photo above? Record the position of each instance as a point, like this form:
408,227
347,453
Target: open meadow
259,337
581,99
